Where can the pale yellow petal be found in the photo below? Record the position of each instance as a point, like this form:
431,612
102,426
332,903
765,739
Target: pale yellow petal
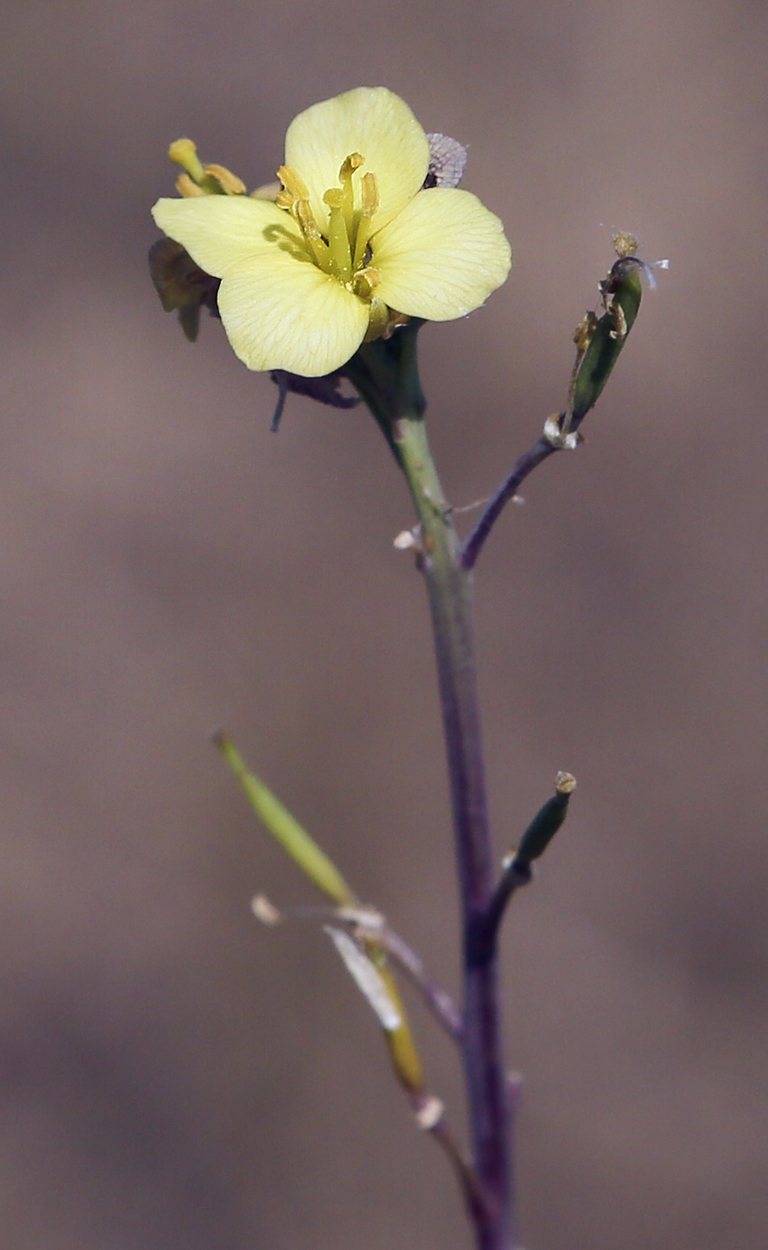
219,231
442,256
372,121
280,313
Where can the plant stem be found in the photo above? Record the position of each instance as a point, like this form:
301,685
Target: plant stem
439,1002
449,590
386,376
529,461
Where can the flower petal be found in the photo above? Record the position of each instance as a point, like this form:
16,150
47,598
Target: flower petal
442,256
372,121
281,313
221,230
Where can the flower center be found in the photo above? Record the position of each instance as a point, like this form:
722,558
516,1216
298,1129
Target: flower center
342,251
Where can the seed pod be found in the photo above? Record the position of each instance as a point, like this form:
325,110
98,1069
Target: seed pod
545,823
621,292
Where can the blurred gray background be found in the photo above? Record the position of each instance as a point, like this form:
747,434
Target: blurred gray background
172,1074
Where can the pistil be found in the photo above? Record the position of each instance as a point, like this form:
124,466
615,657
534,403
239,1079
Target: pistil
338,235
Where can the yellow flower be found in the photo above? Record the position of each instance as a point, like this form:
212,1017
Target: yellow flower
352,240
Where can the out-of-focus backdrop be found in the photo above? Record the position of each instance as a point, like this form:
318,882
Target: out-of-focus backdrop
173,1074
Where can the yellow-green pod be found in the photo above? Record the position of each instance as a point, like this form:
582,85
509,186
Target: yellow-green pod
285,829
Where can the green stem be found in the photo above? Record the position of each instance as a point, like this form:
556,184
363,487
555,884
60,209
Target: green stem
386,375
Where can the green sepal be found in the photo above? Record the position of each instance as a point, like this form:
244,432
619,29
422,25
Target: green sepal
385,374
286,830
622,293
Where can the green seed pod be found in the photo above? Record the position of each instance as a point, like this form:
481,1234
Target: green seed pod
545,823
285,829
622,293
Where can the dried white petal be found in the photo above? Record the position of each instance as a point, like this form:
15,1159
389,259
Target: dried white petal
367,978
447,159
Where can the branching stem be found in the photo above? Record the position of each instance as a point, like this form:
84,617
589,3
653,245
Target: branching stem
529,460
386,376
449,590
437,999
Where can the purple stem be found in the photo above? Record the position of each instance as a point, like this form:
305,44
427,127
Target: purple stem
449,590
525,465
438,1000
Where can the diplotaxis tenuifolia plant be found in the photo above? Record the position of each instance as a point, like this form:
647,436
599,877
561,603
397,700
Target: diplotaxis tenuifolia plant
326,276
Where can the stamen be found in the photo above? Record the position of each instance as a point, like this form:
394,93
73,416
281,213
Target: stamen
370,205
311,232
348,167
229,182
293,182
186,187
370,189
306,220
366,281
342,249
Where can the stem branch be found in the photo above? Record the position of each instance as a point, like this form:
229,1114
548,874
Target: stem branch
437,999
529,460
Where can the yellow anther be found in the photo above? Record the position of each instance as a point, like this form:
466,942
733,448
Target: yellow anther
184,153
229,182
349,165
306,220
293,182
311,232
370,203
370,190
366,281
186,187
